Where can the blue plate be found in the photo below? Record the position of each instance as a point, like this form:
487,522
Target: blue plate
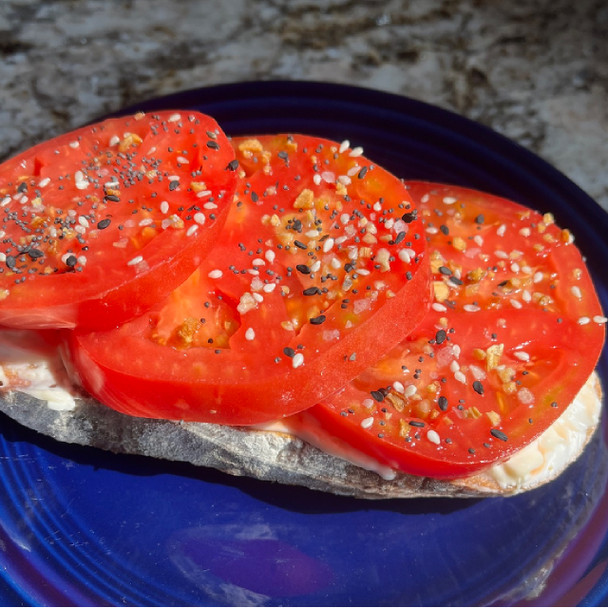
80,526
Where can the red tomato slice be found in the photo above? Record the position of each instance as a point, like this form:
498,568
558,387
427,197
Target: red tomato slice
101,223
513,332
321,268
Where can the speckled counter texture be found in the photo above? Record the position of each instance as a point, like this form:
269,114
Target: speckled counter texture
536,71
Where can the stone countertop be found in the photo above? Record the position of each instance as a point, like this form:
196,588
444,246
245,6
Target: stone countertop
535,71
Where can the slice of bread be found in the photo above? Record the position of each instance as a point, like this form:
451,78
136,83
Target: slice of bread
278,456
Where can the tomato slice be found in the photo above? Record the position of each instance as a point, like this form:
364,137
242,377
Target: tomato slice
101,223
321,268
514,330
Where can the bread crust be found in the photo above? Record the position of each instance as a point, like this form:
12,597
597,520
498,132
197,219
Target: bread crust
269,455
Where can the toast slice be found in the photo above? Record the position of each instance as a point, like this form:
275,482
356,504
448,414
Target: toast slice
55,409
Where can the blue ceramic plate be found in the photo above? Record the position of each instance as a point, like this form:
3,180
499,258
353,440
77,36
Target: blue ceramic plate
80,526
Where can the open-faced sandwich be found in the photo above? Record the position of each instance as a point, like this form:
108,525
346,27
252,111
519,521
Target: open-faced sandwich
279,306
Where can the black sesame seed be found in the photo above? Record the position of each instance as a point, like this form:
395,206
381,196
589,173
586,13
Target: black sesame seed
410,217
442,402
440,336
35,254
498,434
318,320
103,224
377,395
416,423
290,352
478,387
303,268
233,165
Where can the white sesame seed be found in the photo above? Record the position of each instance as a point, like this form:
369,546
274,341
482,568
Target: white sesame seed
250,334
174,117
358,151
138,259
471,307
478,239
538,277
503,255
344,146
199,218
114,140
82,260
44,182
515,303
436,306
203,193
366,423
164,207
328,244
575,290
269,287
270,255
74,144
258,297
600,319
433,437
584,320
80,181
83,221
215,274
298,360
368,403
192,230
406,255
353,170
344,180
515,267
410,390
501,230
526,296
316,179
449,200
460,377
146,222
521,355
182,159
398,387
425,198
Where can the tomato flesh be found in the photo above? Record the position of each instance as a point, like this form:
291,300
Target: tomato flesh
101,223
514,330
320,269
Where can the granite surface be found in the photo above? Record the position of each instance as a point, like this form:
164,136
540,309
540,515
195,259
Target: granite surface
536,71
